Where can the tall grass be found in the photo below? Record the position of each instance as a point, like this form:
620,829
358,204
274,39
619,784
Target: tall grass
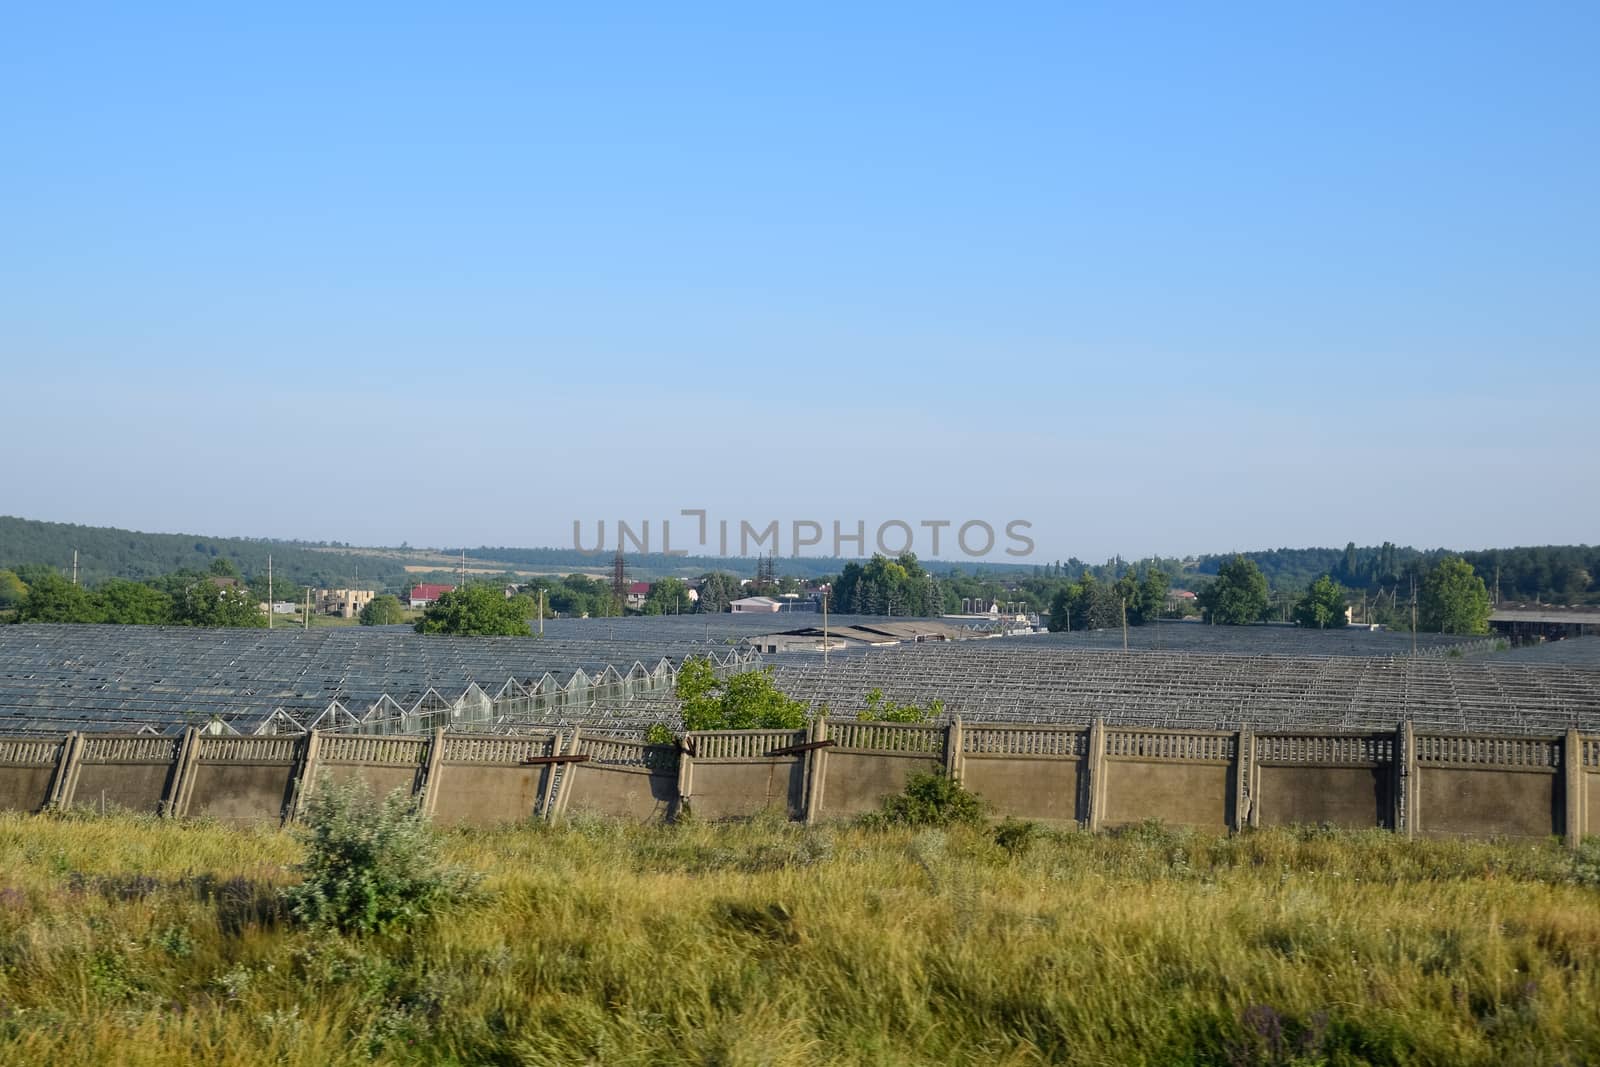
142,942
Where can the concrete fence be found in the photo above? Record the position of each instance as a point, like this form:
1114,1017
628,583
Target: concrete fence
1097,777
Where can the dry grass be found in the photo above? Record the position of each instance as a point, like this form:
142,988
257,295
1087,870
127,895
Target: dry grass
139,942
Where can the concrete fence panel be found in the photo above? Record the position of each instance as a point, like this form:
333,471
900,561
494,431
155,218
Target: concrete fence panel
729,774
491,780
240,780
1030,772
1488,786
129,773
1182,778
620,777
30,771
871,760
1345,781
382,763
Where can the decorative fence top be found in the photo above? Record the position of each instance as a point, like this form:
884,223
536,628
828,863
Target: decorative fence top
1312,748
466,748
1531,752
1163,745
144,749
622,752
742,744
362,748
18,751
1071,741
888,737
248,749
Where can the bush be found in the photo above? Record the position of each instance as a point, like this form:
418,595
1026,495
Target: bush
1016,836
882,709
930,799
1586,862
371,865
745,701
660,733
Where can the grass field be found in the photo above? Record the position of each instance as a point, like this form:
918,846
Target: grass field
132,941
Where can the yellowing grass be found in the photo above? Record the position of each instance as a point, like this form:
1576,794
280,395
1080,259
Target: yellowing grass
139,942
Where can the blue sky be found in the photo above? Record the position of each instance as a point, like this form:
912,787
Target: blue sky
1186,278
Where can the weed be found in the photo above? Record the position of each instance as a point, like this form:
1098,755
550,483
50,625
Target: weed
371,865
929,799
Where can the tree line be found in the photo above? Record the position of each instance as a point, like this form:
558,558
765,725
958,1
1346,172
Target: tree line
216,596
1452,598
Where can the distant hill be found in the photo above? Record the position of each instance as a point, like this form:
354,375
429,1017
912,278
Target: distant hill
1558,573
106,552
655,564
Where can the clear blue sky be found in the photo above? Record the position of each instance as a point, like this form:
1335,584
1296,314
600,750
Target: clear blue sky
1172,279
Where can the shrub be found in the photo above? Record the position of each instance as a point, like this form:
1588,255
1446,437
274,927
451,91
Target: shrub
744,701
371,865
1016,836
1586,862
882,709
930,799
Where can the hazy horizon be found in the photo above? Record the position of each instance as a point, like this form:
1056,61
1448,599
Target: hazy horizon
1156,281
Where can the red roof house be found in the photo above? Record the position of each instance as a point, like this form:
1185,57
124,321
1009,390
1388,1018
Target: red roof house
426,593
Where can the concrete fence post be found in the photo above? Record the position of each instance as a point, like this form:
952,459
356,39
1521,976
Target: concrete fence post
1407,810
1576,782
430,777
569,772
685,772
306,780
1245,801
65,778
1096,773
176,803
547,800
816,770
954,765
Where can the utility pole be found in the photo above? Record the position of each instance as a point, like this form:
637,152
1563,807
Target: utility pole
1124,624
825,593
269,590
1413,615
541,612
74,566
308,608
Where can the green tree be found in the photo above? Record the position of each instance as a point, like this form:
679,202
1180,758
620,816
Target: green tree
282,589
51,598
384,610
744,701
133,603
1454,599
1153,590
12,590
1238,596
483,610
668,596
202,602
1086,604
1323,605
718,589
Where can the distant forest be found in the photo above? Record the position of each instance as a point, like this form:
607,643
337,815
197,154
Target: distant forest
1552,574
1559,574
655,564
105,552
